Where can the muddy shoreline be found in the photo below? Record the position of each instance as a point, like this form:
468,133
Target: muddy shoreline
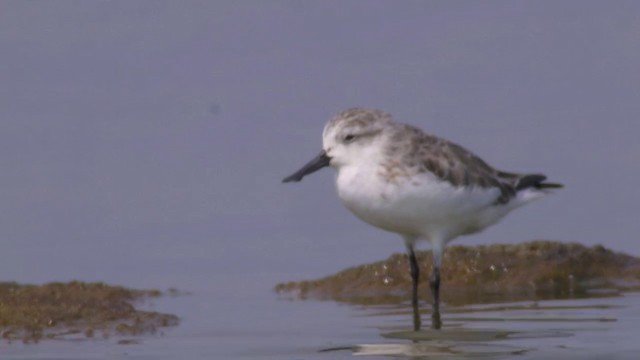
30,313
484,273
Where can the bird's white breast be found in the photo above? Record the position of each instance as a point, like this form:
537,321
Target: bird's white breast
417,205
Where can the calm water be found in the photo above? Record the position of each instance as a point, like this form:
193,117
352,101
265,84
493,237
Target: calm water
251,322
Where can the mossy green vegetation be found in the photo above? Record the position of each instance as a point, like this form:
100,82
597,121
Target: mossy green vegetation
485,273
75,309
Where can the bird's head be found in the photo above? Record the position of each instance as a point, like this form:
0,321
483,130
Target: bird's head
350,137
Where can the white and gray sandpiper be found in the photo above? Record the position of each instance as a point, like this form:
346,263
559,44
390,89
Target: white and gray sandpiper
401,179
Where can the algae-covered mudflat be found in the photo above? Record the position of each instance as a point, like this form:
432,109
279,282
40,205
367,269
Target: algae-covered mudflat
539,299
486,273
75,309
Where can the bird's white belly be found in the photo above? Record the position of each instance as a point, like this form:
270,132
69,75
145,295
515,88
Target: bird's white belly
420,206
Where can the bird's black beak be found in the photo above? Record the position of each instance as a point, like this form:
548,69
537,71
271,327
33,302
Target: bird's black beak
312,166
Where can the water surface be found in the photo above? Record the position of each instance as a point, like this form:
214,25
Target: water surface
251,322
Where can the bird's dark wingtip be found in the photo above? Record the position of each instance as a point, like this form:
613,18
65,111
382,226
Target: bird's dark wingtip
550,186
536,181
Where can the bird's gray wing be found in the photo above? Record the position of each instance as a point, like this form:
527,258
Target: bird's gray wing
452,163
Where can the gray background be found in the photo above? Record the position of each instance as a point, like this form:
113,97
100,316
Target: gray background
143,142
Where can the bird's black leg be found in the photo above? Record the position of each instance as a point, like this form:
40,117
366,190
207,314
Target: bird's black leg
436,322
415,276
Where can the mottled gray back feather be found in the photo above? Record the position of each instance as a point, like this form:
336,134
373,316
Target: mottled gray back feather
452,163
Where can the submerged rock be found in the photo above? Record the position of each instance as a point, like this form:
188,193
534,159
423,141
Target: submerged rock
54,310
484,273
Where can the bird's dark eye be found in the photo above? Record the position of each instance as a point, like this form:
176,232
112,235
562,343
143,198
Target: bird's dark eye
349,137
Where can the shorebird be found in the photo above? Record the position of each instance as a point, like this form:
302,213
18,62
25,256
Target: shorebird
403,180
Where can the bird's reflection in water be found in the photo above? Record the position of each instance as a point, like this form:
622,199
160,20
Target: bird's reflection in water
428,350
521,329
